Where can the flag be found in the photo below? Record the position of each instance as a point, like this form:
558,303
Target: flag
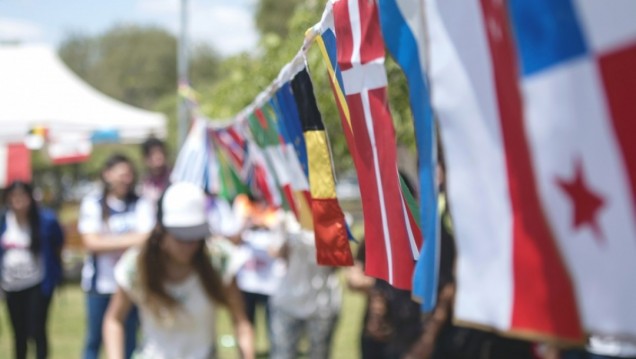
576,67
230,182
69,148
392,235
197,162
330,228
15,163
509,273
326,41
294,152
291,120
533,104
404,32
265,132
259,176
231,141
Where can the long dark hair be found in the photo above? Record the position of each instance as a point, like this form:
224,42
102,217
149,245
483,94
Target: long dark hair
152,271
131,196
33,213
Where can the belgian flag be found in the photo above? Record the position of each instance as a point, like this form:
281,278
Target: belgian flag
332,243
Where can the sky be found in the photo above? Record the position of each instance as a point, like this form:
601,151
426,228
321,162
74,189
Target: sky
227,25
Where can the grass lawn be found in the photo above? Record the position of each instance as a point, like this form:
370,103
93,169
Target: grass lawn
66,328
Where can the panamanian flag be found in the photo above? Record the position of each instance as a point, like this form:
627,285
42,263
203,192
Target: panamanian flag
535,101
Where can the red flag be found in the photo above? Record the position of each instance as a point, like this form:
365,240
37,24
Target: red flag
388,231
15,163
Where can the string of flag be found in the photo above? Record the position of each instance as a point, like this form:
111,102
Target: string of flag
532,104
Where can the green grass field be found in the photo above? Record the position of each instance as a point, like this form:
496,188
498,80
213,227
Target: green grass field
66,328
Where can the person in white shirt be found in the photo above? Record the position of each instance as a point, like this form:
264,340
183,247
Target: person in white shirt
31,241
175,285
309,300
261,234
109,224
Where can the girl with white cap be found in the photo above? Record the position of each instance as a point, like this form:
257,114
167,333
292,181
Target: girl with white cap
173,282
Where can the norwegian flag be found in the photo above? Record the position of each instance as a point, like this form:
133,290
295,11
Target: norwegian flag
392,234
535,101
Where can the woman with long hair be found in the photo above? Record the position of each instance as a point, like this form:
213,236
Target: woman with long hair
31,241
173,282
110,223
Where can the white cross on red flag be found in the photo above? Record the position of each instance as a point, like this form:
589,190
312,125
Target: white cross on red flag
392,235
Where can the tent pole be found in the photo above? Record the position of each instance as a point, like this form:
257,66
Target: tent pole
182,76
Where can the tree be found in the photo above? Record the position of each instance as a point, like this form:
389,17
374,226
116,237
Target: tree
271,14
134,64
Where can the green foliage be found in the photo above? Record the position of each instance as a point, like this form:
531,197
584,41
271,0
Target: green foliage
204,66
168,106
398,93
271,14
133,64
136,65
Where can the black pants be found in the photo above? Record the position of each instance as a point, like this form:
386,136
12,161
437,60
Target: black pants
28,311
376,349
251,301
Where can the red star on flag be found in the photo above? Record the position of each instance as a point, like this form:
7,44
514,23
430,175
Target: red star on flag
586,203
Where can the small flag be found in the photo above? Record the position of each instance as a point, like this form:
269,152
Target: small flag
330,228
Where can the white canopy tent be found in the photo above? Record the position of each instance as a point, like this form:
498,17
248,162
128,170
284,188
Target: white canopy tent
38,90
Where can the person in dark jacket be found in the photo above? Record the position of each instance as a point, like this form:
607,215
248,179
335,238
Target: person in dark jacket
31,241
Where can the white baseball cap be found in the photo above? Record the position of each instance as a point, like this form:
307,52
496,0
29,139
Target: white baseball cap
184,212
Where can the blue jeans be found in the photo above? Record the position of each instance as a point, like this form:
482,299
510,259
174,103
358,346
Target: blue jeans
96,305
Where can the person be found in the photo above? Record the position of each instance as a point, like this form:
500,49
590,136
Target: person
157,176
309,301
391,323
261,233
109,224
31,241
172,280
